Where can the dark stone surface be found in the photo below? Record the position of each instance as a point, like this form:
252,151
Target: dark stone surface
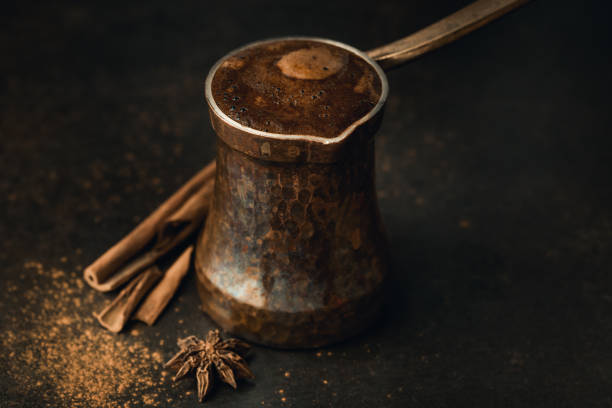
493,175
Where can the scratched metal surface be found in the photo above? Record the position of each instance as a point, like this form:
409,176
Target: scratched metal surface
493,175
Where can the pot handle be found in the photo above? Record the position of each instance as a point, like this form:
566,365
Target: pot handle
442,32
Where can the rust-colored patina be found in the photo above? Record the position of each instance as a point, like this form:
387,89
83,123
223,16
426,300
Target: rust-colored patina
294,252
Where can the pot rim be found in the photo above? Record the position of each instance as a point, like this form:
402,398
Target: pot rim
297,137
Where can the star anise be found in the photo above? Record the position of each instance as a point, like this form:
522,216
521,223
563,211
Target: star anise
212,354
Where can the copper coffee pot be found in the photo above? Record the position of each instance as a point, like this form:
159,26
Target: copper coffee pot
294,252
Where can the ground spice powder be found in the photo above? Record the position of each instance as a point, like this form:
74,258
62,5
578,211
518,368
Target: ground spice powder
54,346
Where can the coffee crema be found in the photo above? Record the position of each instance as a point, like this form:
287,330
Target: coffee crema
296,87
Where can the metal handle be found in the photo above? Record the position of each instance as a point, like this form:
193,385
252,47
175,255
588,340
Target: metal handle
444,31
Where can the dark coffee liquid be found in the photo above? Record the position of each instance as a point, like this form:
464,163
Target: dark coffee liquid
297,87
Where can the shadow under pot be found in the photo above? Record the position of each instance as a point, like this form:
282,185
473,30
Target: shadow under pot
294,252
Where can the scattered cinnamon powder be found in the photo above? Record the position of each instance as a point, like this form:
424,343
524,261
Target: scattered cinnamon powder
53,342
465,223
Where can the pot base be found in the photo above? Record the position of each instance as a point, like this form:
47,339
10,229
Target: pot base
314,328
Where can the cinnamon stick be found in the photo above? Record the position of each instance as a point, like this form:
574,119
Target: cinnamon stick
172,232
114,316
158,298
116,265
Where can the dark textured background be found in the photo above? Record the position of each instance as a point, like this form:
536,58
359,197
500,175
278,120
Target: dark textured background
493,175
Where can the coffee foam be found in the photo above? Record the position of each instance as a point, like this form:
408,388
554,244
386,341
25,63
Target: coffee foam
297,87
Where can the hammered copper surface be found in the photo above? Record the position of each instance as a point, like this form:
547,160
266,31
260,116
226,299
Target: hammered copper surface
293,253
292,256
